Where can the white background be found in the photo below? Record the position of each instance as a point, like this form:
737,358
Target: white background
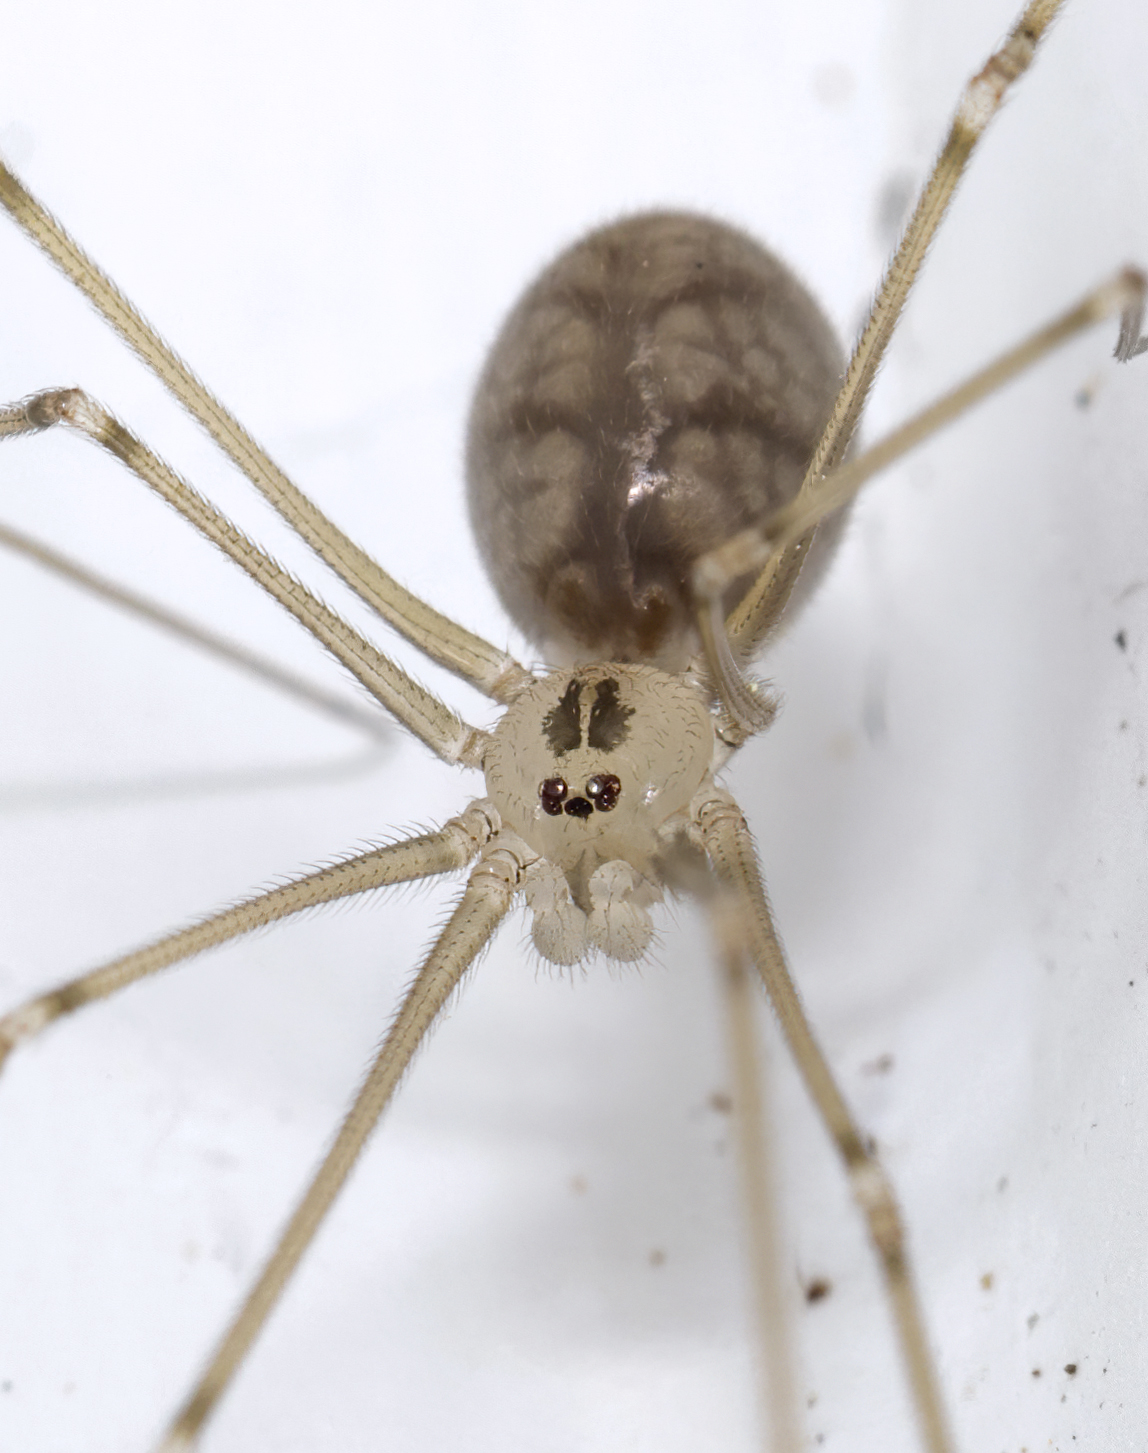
327,210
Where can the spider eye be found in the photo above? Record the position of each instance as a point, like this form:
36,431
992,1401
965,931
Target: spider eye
553,794
604,791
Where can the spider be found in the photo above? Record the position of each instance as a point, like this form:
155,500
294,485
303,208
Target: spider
194,893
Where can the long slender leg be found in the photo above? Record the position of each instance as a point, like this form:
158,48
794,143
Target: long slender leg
210,641
452,846
759,1195
1124,294
482,907
762,606
459,650
724,834
428,718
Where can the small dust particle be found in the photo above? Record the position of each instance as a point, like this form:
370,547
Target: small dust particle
1036,1372
721,1103
879,1066
579,1185
1121,639
987,1281
657,1257
1070,1368
818,1289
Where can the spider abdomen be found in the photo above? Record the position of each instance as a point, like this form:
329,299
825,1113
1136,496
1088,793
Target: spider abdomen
660,387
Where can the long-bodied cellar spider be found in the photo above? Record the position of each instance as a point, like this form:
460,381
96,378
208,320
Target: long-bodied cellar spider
937,881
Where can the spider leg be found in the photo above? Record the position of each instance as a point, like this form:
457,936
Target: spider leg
222,647
428,718
1123,294
760,1196
426,856
488,895
762,606
722,831
443,640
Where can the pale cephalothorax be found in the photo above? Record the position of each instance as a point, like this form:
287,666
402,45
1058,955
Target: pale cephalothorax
593,770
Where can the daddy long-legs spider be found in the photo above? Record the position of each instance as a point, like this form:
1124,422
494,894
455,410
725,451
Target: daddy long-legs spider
932,804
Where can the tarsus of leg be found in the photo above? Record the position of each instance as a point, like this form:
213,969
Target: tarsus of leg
762,606
428,718
233,652
722,831
1122,294
443,640
450,847
483,905
759,1181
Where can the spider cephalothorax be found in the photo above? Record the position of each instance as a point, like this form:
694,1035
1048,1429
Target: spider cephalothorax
593,769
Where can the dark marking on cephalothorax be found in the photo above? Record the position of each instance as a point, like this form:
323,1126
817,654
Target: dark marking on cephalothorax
609,719
562,724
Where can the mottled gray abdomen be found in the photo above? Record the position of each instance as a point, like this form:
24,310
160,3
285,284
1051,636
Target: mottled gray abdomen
661,386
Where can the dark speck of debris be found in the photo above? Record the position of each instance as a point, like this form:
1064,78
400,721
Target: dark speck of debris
1070,1368
1121,639
1036,1372
987,1282
657,1257
817,1289
1033,1320
879,1066
721,1102
1002,1184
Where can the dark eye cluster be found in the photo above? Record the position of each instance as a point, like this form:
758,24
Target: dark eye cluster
602,792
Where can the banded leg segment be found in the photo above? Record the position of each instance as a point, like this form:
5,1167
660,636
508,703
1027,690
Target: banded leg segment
451,645
428,718
723,832
426,856
482,907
